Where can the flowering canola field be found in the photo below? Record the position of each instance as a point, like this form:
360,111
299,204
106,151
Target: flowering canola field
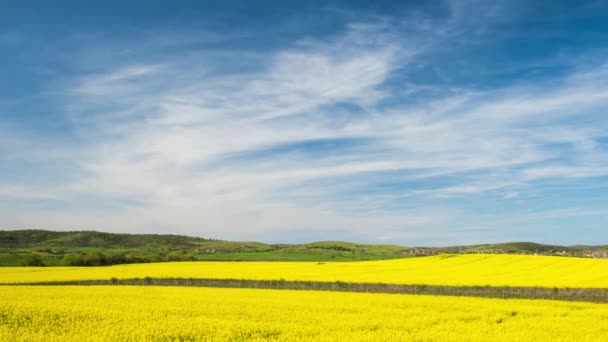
131,313
456,270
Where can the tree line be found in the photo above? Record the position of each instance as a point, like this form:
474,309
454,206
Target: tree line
101,259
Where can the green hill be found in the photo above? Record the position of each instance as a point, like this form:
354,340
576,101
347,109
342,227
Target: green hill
37,247
88,248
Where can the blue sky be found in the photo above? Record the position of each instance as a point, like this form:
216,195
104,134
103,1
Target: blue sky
422,123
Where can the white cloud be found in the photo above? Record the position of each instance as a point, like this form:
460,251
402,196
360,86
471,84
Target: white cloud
195,148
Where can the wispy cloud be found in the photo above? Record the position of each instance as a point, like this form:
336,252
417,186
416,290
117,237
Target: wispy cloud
303,136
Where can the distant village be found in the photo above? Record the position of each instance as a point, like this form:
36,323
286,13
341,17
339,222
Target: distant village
435,251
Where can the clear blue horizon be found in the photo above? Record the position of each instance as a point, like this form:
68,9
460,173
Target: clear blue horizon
412,123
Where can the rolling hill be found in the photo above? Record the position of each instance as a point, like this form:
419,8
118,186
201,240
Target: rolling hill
92,248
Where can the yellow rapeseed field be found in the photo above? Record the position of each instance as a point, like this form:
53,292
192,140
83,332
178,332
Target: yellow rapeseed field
494,270
131,313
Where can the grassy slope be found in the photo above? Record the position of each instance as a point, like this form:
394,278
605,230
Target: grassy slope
55,247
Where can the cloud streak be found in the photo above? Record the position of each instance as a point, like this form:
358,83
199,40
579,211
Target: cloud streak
304,138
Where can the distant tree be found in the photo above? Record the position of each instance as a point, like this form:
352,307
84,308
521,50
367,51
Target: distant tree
33,260
72,260
94,259
114,259
179,256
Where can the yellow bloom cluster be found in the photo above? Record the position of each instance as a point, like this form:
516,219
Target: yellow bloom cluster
456,270
131,313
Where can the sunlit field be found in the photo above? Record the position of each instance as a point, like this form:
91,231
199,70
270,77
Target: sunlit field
493,270
82,313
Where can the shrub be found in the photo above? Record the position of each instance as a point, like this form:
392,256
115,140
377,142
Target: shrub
72,260
33,260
